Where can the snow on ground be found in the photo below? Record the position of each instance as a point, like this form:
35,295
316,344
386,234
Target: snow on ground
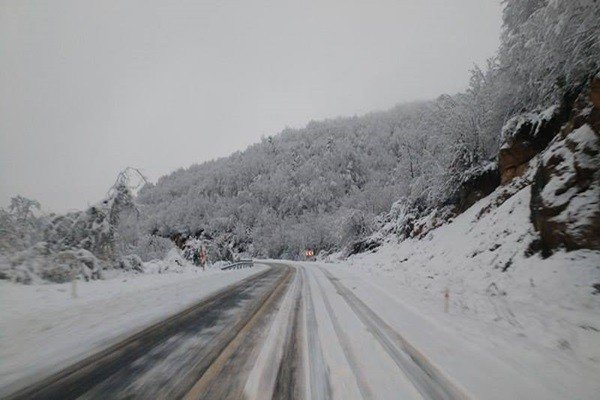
532,325
42,328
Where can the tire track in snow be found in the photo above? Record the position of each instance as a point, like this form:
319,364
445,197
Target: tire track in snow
287,383
426,377
225,376
344,341
319,387
276,365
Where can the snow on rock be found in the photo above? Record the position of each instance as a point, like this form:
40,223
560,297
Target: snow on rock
518,122
408,220
540,316
525,135
565,202
476,184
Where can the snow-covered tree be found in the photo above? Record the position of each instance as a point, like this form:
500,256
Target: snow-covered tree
548,47
19,225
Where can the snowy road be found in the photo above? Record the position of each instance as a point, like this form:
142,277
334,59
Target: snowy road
294,331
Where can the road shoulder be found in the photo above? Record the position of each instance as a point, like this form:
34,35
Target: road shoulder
44,330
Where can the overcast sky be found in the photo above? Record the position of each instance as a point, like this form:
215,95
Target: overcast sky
88,88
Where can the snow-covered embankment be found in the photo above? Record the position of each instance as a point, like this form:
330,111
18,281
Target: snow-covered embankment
537,318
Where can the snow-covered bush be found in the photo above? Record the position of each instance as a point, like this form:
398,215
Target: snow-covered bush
131,262
151,247
38,263
356,225
93,229
20,226
59,248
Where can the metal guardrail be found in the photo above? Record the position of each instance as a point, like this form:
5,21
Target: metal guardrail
239,264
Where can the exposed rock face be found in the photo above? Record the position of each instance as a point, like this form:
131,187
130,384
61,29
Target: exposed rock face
565,199
477,186
526,135
418,227
595,92
360,246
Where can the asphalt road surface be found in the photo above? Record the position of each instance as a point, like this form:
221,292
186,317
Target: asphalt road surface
290,332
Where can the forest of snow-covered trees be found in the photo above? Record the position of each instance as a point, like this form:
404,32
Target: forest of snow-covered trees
324,185
329,183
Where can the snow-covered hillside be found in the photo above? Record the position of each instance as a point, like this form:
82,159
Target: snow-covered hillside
327,186
528,311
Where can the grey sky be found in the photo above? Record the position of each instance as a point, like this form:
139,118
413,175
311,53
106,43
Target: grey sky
88,88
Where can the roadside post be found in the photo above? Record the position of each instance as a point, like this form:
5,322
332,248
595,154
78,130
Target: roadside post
446,300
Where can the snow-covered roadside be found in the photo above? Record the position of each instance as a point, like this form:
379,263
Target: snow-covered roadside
42,328
538,318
